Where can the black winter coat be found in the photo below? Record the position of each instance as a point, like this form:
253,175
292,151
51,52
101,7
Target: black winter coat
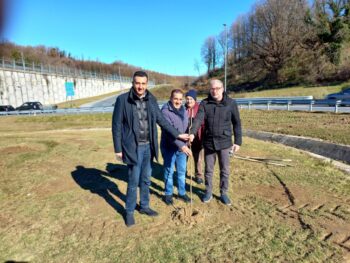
125,126
219,119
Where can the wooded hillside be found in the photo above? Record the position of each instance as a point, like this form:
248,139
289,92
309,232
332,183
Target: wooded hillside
61,58
283,42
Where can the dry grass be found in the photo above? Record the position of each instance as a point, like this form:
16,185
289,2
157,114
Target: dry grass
316,92
162,92
61,195
323,125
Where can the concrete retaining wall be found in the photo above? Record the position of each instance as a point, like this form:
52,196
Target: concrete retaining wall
327,149
18,86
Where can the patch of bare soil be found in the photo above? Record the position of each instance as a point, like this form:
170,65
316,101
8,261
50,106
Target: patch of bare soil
187,216
327,215
53,187
17,149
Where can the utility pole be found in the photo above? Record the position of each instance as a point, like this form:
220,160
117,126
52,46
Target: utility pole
225,57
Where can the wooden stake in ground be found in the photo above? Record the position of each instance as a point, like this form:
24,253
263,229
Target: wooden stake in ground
190,162
272,161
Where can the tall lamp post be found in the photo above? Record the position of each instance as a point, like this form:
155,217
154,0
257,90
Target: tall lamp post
225,57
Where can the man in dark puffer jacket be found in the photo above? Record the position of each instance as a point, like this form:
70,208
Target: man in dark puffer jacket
220,114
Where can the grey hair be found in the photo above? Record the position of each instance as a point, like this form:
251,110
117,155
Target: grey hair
217,81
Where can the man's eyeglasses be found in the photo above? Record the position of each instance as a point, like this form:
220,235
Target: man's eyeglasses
215,89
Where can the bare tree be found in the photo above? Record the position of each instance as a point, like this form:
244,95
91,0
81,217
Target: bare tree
277,28
197,67
209,53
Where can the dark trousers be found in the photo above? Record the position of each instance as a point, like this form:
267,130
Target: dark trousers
139,175
224,164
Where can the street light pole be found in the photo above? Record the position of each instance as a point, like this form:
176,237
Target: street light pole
225,56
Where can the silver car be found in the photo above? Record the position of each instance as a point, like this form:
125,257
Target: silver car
342,95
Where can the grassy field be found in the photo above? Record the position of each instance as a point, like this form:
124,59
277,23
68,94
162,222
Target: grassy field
316,92
62,194
323,125
327,126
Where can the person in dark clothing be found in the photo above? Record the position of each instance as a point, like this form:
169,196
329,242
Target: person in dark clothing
192,107
220,114
135,139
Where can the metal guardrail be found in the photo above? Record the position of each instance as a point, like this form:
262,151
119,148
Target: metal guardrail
257,99
290,102
85,110
287,102
250,103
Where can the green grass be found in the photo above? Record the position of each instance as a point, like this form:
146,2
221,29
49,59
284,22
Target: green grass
49,215
42,123
316,92
323,125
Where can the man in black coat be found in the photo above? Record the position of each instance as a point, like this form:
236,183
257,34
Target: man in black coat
135,139
221,117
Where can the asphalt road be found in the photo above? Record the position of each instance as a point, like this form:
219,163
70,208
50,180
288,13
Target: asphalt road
106,102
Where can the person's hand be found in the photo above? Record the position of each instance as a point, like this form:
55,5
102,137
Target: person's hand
191,137
186,150
119,156
183,137
235,148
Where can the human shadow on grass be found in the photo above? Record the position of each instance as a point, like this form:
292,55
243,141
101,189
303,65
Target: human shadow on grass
95,181
158,173
120,172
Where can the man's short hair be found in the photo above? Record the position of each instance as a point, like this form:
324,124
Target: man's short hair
213,81
140,73
176,91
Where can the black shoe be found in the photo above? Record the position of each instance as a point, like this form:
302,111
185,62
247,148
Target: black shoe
129,219
185,198
168,199
199,180
225,200
148,211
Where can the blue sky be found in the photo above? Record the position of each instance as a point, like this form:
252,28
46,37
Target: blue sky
161,35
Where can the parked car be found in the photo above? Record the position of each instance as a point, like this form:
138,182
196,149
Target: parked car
6,108
30,105
50,107
342,95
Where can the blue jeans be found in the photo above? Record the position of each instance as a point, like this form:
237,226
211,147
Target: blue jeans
139,175
171,158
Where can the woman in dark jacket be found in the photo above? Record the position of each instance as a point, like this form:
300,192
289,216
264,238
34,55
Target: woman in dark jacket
175,151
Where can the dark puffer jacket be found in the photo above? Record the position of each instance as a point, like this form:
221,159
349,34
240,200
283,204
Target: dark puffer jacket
220,119
126,126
